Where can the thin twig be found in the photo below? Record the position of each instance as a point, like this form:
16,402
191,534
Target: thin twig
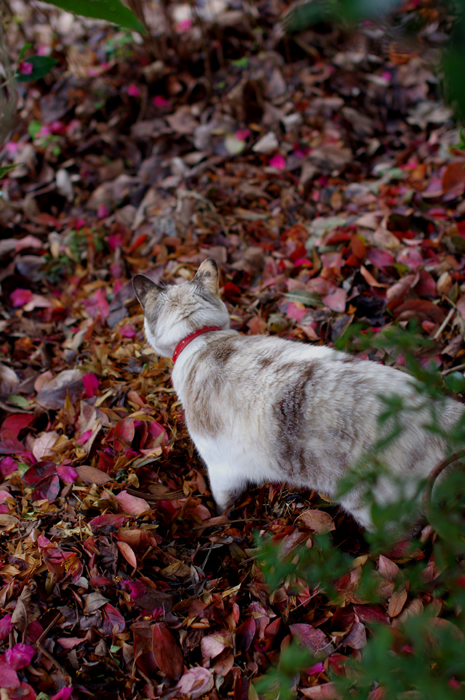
433,475
444,324
452,369
49,627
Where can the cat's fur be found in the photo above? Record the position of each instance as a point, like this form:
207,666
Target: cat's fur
267,409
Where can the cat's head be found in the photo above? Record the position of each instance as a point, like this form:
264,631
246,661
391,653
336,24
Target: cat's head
173,312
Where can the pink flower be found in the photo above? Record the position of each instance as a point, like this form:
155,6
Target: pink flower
127,332
133,90
21,297
184,25
25,68
277,162
102,211
45,131
91,384
20,656
12,147
160,101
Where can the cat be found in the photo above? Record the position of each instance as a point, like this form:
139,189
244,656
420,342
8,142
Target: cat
261,408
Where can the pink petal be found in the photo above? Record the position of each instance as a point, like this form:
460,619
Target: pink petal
103,211
317,668
127,332
20,656
336,301
242,134
278,162
132,505
8,676
91,384
20,297
66,473
62,694
25,68
5,626
184,25
160,101
133,90
7,466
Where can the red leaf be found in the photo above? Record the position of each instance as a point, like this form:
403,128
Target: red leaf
91,385
14,423
245,634
48,489
314,639
128,553
123,434
12,446
8,676
372,613
132,505
107,522
21,297
357,246
195,682
113,621
380,258
39,471
66,473
336,301
167,652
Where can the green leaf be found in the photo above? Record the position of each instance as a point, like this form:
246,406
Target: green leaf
41,66
456,382
18,400
5,169
23,51
304,297
109,10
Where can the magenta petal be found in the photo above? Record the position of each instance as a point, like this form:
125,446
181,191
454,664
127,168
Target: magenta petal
278,162
20,656
5,626
91,384
66,473
127,332
20,297
62,694
7,466
8,676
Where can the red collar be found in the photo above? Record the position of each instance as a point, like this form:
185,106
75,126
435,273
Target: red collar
189,338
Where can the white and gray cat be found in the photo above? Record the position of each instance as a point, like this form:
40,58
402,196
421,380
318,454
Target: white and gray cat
264,409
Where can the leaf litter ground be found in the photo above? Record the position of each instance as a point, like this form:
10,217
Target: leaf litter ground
321,175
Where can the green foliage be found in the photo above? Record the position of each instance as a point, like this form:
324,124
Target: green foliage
422,656
109,10
41,66
5,169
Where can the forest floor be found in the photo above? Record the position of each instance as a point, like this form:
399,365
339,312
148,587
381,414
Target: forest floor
321,174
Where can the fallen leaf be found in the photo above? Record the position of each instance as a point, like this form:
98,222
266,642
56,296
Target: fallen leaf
317,520
167,652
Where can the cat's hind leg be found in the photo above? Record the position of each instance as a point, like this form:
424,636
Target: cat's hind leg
226,487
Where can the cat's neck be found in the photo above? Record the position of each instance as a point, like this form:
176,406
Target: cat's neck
189,338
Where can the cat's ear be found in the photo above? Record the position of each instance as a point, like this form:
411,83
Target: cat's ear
207,275
145,289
